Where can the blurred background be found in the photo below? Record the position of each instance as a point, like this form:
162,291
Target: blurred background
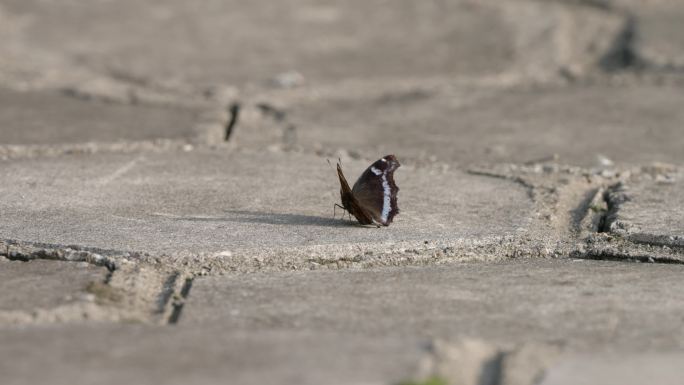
586,82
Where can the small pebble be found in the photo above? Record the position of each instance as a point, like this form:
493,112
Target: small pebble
604,161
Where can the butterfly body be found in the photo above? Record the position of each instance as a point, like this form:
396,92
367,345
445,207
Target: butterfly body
373,199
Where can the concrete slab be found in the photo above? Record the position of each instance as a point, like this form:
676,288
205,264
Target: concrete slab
665,368
50,118
361,39
43,291
115,354
262,203
207,44
582,125
31,285
582,305
377,327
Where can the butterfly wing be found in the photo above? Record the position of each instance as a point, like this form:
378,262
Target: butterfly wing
375,191
350,203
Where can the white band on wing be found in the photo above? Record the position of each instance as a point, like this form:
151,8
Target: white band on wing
386,206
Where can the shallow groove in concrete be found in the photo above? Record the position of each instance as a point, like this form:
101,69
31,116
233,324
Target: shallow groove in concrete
179,304
234,110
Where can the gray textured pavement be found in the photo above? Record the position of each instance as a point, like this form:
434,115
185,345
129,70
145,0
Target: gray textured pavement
612,369
45,290
166,202
627,124
109,354
41,118
585,304
211,42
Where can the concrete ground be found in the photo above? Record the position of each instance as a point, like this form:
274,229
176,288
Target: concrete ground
166,202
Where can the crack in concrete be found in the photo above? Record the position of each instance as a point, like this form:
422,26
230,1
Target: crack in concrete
614,197
593,230
622,54
26,251
179,302
606,209
234,110
616,240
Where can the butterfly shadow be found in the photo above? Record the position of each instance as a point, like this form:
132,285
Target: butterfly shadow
247,216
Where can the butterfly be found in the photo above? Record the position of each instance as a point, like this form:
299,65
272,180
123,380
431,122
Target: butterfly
373,199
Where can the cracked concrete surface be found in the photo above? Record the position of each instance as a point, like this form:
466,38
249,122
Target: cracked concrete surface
166,204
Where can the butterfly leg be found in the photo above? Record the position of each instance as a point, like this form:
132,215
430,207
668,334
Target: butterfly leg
335,206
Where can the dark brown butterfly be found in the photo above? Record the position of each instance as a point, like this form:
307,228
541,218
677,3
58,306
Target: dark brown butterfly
373,199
